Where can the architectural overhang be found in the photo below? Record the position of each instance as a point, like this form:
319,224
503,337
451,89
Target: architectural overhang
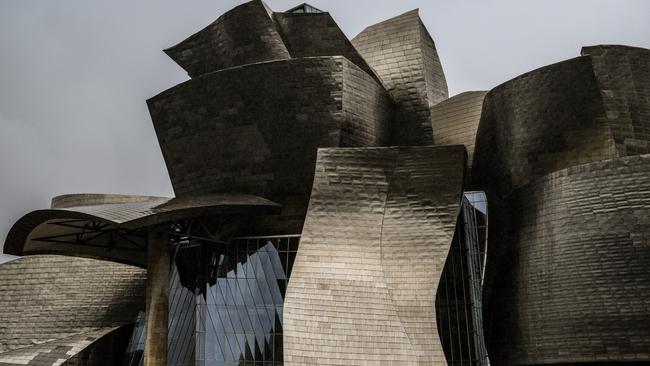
115,227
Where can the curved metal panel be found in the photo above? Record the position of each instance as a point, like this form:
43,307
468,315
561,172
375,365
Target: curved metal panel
47,298
255,129
568,120
575,287
456,120
243,35
317,34
623,74
404,56
540,122
109,226
374,244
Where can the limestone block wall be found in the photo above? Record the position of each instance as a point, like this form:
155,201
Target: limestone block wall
404,56
374,243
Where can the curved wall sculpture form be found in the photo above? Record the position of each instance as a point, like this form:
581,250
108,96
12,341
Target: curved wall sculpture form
456,120
63,299
578,287
373,247
244,35
255,129
623,75
404,55
317,34
114,227
557,153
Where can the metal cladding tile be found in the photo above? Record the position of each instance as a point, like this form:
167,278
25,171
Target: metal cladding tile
49,297
623,74
404,56
255,129
56,352
456,120
542,121
374,243
119,211
244,35
568,279
590,108
317,34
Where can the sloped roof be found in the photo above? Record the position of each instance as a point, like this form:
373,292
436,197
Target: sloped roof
114,226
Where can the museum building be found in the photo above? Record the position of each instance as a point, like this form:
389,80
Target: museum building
331,208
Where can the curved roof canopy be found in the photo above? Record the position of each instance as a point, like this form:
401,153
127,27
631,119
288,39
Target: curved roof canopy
115,227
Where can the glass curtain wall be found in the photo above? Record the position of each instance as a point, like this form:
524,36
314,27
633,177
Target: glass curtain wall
226,302
459,297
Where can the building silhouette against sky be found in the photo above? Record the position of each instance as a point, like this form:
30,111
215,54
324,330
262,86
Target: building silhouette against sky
331,208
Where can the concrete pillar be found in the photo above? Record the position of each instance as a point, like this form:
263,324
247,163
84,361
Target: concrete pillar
155,349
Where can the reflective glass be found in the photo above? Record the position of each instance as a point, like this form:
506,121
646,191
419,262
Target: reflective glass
235,302
459,297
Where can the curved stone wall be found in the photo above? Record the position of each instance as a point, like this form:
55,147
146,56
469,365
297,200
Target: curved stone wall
255,129
404,56
578,280
374,243
49,297
244,35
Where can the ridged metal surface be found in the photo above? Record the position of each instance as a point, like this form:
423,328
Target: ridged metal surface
456,120
404,55
557,152
244,35
577,283
55,301
375,240
119,212
255,129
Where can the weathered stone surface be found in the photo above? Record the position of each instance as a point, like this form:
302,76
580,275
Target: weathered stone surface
404,56
375,240
244,35
255,129
46,297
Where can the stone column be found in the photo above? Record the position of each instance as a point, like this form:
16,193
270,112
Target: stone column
155,349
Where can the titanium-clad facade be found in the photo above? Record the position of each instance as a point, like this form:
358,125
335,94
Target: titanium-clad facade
331,208
561,153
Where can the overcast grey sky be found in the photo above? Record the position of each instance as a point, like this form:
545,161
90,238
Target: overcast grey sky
75,74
